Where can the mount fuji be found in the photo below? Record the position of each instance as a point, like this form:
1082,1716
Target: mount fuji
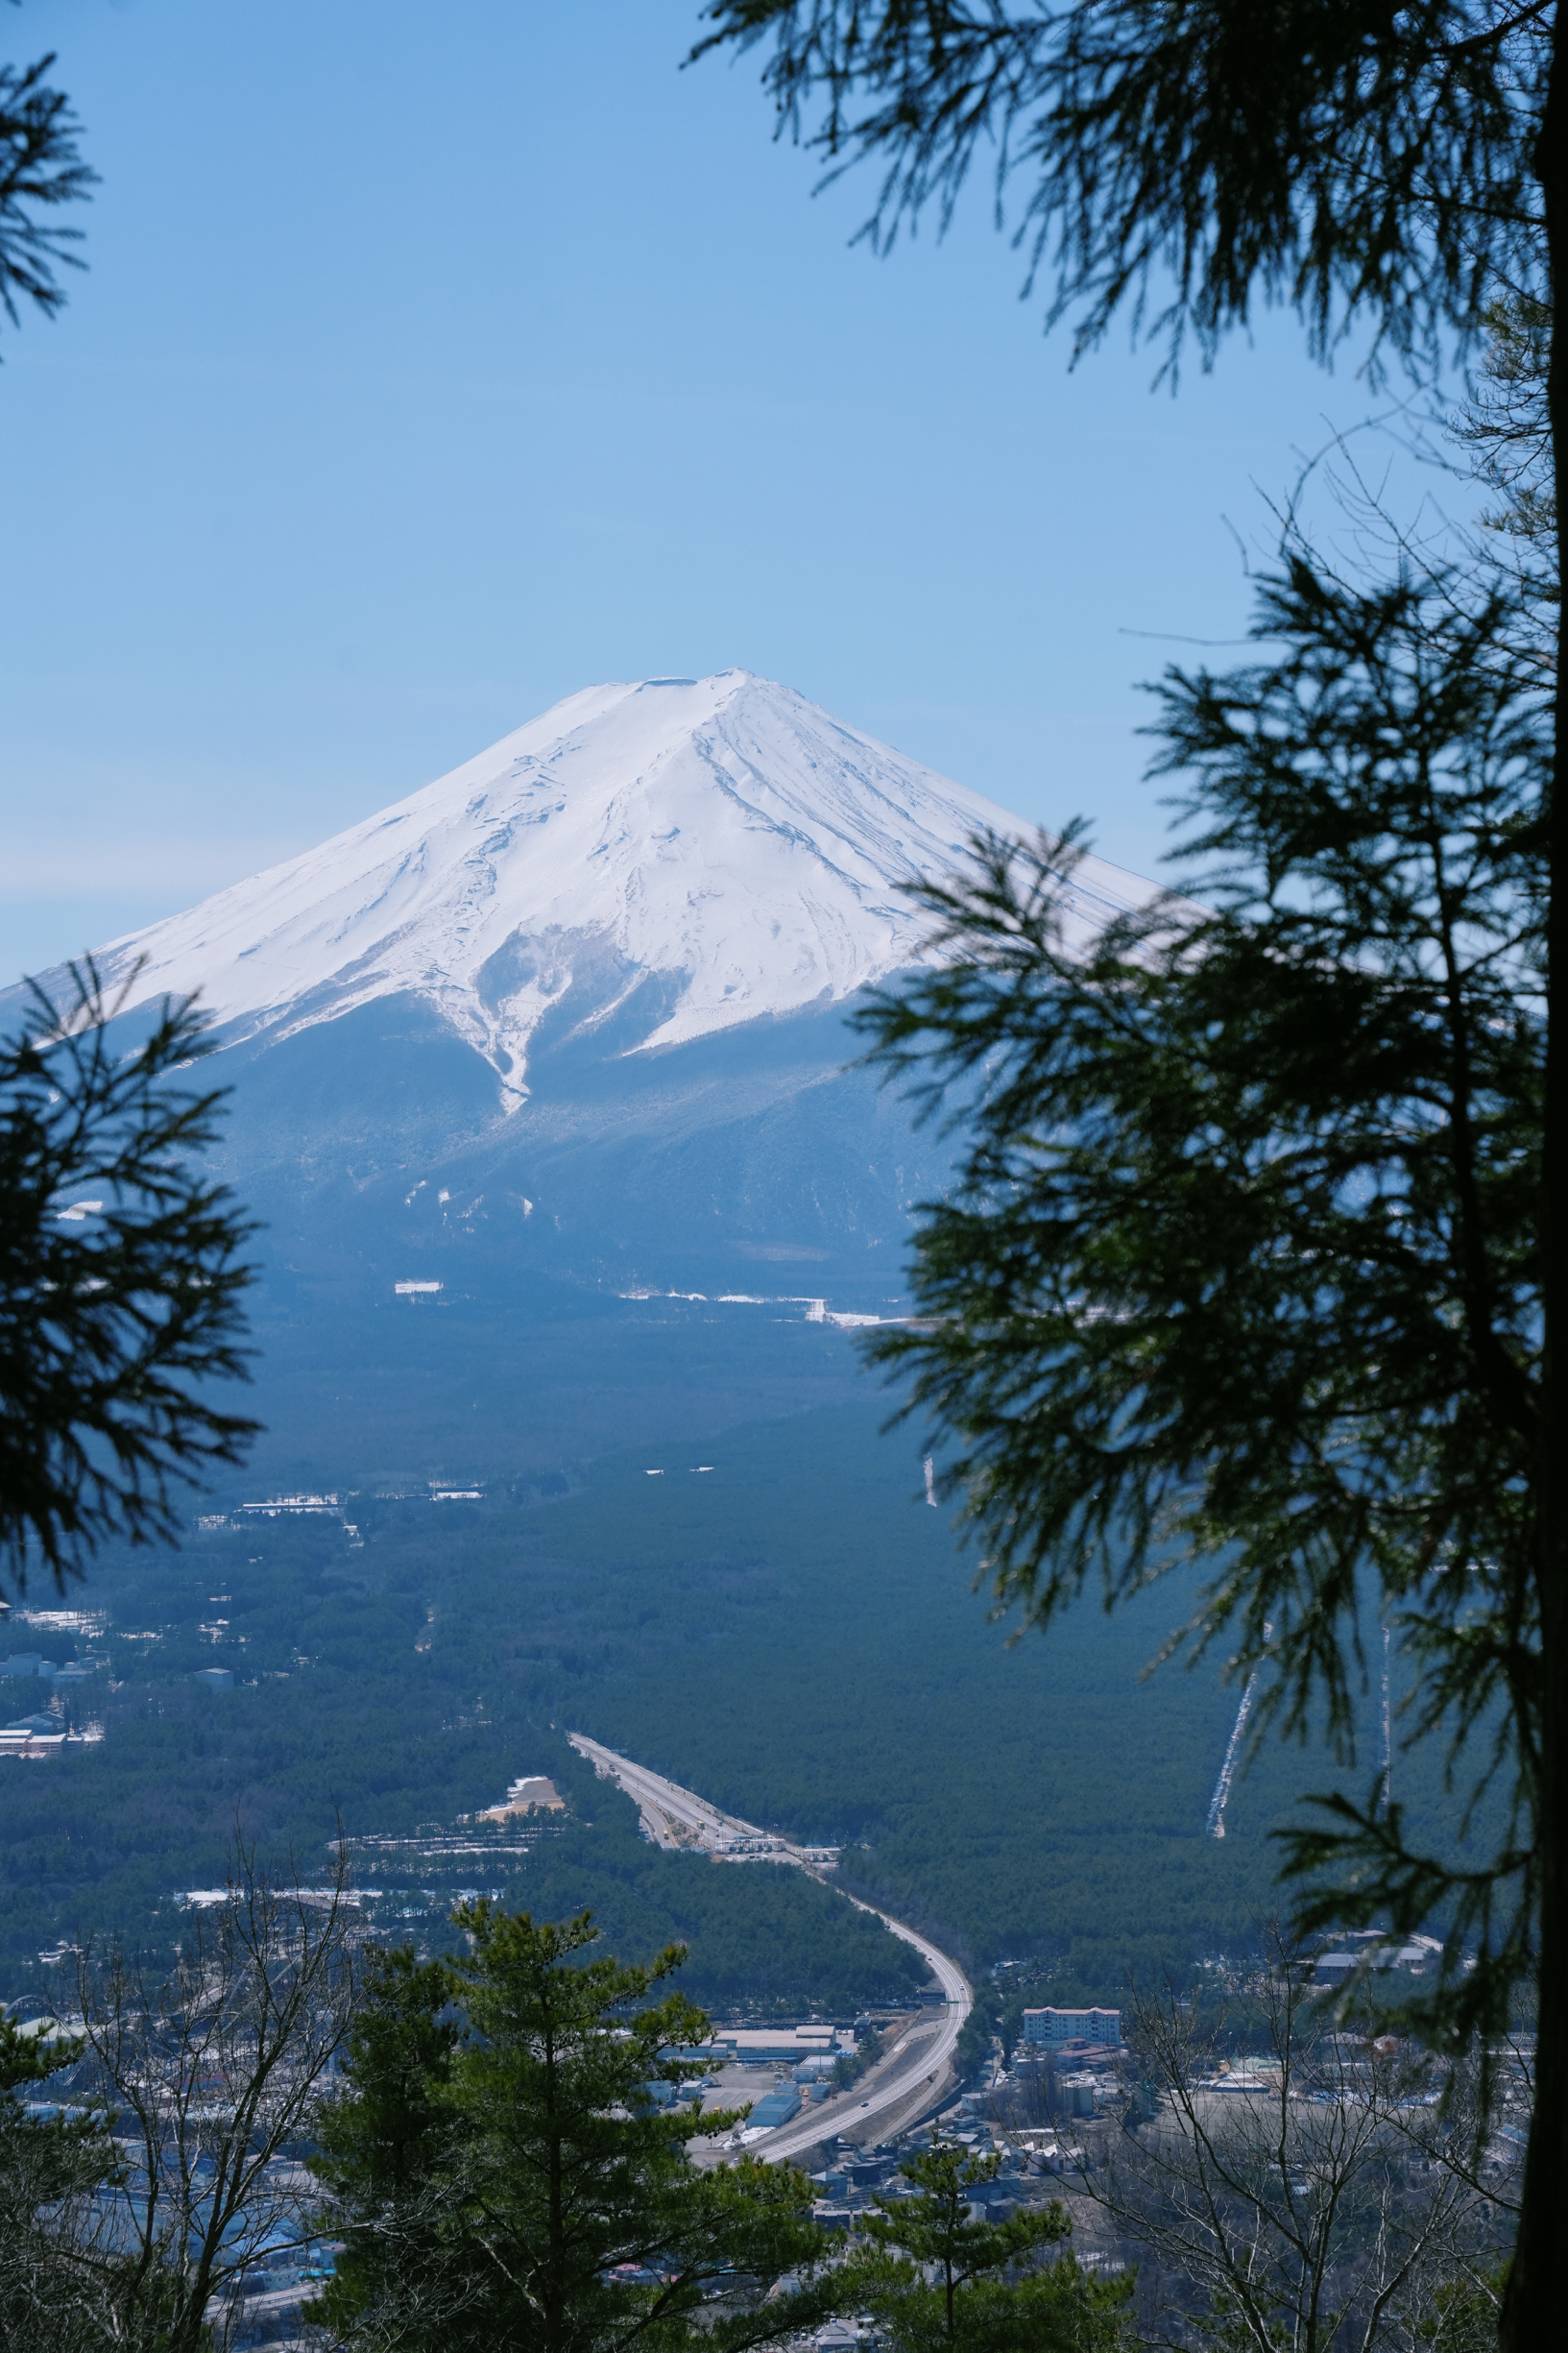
560,1039
643,866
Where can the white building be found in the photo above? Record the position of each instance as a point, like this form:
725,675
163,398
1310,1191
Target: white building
1051,2028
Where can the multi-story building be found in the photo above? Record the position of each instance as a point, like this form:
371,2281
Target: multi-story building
1100,2029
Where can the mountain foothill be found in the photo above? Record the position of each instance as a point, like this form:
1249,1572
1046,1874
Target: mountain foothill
543,1091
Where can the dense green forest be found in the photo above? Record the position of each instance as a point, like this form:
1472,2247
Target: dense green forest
789,1631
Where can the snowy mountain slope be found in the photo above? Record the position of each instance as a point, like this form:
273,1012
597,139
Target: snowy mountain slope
495,1228
646,864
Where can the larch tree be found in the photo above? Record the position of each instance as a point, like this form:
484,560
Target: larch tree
1215,1163
122,1281
114,1318
40,169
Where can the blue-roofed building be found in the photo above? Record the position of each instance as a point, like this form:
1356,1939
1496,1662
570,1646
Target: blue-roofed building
776,2109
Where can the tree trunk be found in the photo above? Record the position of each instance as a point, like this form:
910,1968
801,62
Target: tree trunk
1532,2307
555,2293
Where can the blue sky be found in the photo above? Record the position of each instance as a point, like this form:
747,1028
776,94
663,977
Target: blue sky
434,362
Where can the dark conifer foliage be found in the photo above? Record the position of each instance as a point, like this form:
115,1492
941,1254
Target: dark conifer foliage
382,2146
40,169
47,2167
1407,167
940,2278
515,2183
1342,157
121,1282
1245,1264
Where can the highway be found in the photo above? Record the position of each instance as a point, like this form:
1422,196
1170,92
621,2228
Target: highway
913,2076
677,1818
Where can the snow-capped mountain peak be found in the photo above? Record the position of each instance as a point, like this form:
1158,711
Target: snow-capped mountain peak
685,854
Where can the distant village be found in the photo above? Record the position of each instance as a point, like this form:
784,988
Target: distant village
1038,2118
46,1695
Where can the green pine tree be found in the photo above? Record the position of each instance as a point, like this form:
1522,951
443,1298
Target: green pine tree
115,1328
941,2276
1405,169
381,2151
1244,1265
57,2281
507,2178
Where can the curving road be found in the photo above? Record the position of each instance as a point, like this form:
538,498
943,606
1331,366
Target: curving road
926,2053
912,2076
